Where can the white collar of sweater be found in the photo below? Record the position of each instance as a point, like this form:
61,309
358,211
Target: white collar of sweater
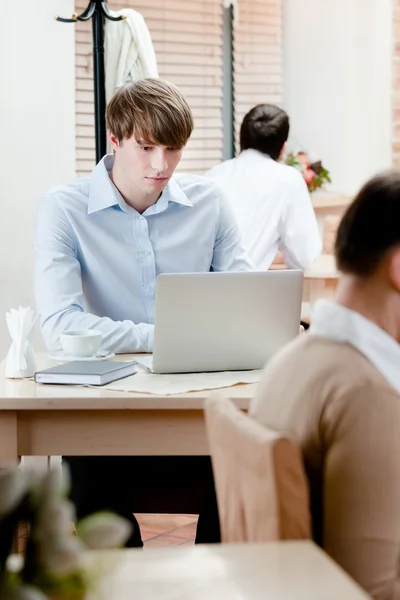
340,324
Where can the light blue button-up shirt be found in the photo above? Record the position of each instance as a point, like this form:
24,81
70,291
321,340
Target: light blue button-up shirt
97,259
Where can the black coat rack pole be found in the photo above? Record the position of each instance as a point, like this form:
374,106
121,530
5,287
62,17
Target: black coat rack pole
98,11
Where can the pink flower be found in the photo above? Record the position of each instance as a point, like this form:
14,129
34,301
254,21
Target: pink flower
309,176
303,159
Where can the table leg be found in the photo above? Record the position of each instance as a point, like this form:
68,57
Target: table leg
9,447
316,290
8,438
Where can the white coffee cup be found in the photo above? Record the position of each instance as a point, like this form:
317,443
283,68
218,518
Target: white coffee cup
81,342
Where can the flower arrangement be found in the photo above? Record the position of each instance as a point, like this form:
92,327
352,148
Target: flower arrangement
53,563
314,174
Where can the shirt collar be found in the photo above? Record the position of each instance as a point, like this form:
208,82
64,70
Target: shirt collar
104,194
253,154
175,193
340,324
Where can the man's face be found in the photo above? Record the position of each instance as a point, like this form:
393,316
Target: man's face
145,165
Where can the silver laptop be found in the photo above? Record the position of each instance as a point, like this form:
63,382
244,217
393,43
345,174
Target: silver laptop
223,321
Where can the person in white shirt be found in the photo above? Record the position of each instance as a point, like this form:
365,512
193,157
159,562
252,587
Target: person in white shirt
270,200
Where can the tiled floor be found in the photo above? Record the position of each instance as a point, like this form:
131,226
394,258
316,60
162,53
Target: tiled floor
158,531
167,530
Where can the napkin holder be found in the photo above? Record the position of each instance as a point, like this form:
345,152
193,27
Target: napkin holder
20,360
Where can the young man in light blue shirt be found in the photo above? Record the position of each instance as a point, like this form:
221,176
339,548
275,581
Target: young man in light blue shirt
102,240
100,243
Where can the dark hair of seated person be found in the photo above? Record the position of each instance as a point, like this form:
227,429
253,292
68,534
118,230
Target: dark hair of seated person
265,128
370,227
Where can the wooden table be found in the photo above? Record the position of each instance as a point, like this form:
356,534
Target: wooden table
329,203
272,571
55,420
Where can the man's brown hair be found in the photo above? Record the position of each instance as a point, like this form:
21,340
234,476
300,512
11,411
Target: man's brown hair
152,109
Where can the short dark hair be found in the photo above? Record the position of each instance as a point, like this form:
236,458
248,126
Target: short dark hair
370,227
265,128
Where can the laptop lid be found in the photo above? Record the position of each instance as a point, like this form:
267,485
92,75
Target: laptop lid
224,321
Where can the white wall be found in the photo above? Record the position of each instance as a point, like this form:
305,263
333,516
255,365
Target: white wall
337,84
37,125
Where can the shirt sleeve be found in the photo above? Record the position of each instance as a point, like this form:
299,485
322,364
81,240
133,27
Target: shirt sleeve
229,253
58,288
361,506
300,240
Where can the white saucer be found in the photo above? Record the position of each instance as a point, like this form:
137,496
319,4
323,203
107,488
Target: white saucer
61,357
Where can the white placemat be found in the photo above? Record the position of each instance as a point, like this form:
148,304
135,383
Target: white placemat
151,383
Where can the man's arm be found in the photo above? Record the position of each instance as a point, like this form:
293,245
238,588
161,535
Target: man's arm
229,254
300,241
361,494
58,288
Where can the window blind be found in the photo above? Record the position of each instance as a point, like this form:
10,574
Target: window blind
258,57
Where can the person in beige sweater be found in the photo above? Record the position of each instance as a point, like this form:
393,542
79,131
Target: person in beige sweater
336,391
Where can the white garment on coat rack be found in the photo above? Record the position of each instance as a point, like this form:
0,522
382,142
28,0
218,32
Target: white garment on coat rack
129,51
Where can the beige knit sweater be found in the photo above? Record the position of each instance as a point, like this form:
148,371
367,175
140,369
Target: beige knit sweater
346,418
